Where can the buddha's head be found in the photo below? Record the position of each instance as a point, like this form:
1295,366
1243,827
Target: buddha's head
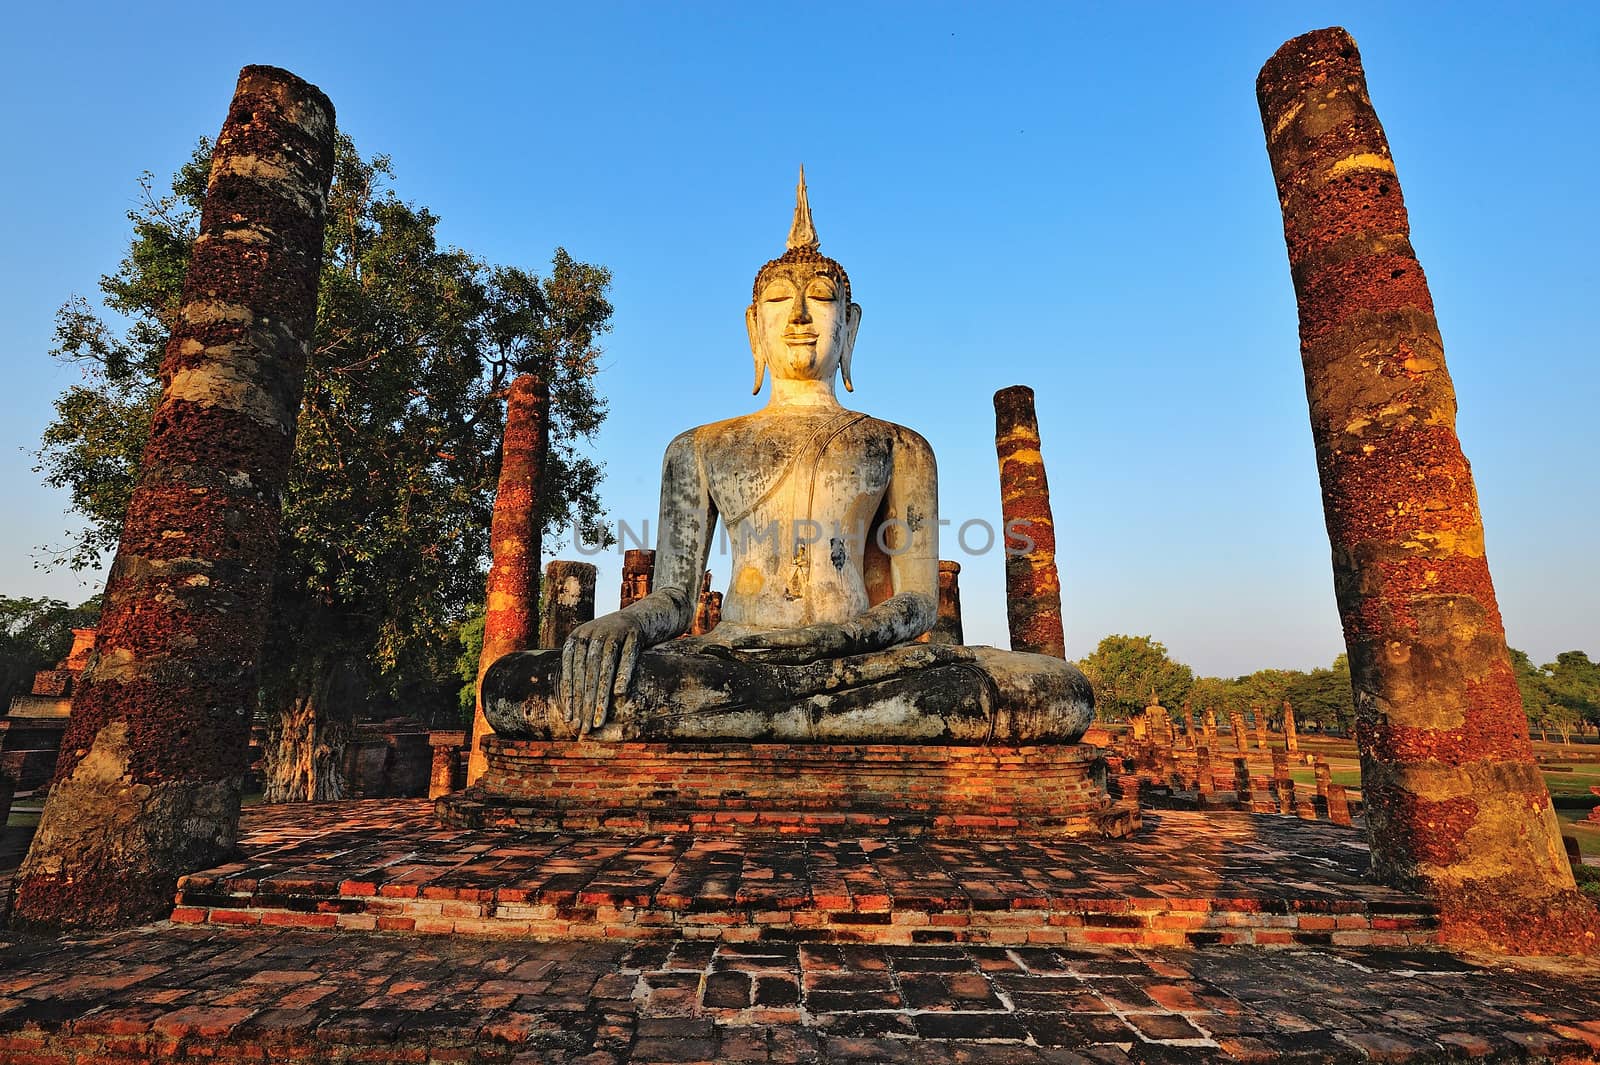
801,321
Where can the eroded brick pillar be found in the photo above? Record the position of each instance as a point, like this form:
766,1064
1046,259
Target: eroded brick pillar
1454,802
707,609
638,573
568,600
148,783
947,629
1033,587
511,601
1291,735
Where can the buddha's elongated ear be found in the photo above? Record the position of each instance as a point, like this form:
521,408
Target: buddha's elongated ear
851,324
751,327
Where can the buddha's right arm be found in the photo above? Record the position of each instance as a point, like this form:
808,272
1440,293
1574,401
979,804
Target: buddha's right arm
599,658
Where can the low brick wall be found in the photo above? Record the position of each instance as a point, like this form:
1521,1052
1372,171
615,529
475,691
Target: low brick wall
791,789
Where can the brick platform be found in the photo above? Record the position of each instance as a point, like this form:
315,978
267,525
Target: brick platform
176,994
899,790
1186,880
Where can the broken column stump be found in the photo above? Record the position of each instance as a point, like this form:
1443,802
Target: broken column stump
568,600
148,783
707,608
947,629
1033,586
638,574
511,601
1291,735
1453,799
445,771
1241,741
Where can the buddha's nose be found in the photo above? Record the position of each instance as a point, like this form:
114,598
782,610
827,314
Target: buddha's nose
800,314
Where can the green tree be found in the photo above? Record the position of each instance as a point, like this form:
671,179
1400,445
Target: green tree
1574,684
1323,698
36,634
1126,669
385,521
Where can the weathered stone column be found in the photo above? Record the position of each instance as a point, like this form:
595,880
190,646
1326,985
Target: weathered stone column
568,600
707,609
947,629
1208,724
638,574
1291,735
148,784
511,601
1240,740
1454,802
1033,587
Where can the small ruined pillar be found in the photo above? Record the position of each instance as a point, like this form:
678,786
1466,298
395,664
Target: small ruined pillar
707,610
567,602
446,747
1338,805
1033,587
1241,740
947,629
1258,717
1188,724
148,784
1454,801
1208,724
1291,736
638,575
511,602
1323,775
1241,779
1204,782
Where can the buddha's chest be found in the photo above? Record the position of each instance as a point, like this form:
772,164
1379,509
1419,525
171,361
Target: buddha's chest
832,471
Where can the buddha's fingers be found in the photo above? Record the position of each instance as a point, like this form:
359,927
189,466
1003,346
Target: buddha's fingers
608,676
593,664
566,693
625,668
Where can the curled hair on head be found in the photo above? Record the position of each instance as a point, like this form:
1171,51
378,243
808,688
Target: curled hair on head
824,265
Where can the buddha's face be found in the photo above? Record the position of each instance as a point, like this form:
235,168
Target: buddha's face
800,324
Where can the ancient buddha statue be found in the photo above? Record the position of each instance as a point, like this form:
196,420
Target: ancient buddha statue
831,517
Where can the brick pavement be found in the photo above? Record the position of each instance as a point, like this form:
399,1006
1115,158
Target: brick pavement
187,993
1185,879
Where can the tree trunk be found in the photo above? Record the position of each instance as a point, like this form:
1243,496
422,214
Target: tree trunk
306,742
148,783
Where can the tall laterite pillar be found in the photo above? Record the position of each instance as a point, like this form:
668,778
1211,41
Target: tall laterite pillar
152,764
511,607
1033,587
1455,805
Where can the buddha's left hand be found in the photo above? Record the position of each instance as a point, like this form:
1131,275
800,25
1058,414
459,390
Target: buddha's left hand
809,643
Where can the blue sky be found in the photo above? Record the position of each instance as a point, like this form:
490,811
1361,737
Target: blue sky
1073,198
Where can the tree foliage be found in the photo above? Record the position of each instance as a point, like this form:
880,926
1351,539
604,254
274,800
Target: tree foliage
1561,696
1126,669
1322,698
36,634
386,515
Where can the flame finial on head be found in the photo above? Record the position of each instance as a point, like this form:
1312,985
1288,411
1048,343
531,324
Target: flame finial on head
802,233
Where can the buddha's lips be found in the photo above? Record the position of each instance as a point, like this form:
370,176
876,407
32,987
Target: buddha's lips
799,339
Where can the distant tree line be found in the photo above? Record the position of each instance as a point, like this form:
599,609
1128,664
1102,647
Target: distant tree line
1561,697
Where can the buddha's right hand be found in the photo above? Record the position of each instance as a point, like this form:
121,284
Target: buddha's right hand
597,665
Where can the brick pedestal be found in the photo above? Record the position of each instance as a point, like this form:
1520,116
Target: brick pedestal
791,789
